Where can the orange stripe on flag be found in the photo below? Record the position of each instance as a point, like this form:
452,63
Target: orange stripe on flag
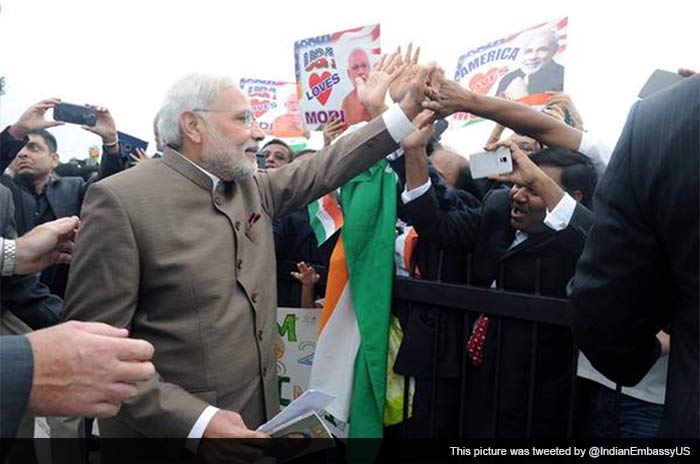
337,280
333,209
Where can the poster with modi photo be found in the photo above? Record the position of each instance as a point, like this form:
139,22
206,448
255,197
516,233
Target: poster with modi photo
522,66
326,69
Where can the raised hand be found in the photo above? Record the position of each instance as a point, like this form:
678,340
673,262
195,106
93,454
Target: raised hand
104,127
399,87
34,118
307,275
332,130
564,101
139,157
527,174
419,139
372,92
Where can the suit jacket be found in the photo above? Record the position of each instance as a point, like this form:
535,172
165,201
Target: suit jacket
65,197
487,234
187,269
639,270
16,370
25,296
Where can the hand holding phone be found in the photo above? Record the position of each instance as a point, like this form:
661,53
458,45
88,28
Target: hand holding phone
491,163
75,114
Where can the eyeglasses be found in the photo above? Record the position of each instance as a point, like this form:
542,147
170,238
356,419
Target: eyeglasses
245,117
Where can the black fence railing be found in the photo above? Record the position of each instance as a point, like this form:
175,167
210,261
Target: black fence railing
471,301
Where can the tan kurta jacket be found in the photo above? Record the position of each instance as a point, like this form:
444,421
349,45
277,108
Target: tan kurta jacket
184,268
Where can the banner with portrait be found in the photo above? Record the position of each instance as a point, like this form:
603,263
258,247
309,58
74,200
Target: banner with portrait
326,69
522,66
275,105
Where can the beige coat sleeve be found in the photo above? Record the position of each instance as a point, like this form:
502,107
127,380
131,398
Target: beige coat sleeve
297,184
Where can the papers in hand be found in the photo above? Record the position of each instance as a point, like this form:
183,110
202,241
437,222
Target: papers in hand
311,401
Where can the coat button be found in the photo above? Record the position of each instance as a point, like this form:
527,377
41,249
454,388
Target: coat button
237,225
254,297
260,335
239,264
264,371
217,200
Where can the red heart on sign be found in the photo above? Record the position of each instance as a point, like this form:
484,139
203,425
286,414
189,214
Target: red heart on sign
314,80
482,83
259,107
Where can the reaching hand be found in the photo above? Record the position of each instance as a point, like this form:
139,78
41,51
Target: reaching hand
104,127
419,139
34,118
449,97
685,72
45,245
307,275
332,130
372,92
139,157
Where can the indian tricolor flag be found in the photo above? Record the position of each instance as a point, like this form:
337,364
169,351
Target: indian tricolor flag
351,354
325,217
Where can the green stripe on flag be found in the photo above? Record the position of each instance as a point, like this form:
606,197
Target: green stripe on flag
315,222
369,207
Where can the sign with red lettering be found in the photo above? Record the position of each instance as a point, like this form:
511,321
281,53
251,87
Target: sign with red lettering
326,69
522,66
275,105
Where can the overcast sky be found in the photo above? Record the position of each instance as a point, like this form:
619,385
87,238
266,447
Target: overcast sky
125,54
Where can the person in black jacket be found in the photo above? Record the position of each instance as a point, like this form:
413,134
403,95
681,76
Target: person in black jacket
512,239
38,196
639,270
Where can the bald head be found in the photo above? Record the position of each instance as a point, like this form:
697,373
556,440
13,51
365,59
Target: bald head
448,163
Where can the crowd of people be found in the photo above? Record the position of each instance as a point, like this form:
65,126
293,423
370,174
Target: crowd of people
163,324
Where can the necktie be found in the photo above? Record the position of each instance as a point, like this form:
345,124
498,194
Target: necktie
475,344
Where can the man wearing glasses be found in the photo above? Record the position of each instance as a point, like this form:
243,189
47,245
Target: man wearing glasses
185,255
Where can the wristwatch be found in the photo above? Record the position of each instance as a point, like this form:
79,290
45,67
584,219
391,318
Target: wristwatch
9,249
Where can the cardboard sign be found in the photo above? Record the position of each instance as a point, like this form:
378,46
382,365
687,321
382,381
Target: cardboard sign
326,69
519,67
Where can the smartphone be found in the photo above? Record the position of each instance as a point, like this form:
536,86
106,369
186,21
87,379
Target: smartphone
489,163
75,114
659,80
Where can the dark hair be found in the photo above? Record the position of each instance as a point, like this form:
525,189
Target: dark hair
578,172
284,144
48,137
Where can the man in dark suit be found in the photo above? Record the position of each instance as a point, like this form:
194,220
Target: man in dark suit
639,270
38,196
535,229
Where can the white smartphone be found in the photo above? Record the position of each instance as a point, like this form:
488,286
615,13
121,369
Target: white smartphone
489,163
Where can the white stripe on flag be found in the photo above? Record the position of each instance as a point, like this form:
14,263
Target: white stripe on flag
326,219
333,369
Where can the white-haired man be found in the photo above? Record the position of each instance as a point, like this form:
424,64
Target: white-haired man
186,245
